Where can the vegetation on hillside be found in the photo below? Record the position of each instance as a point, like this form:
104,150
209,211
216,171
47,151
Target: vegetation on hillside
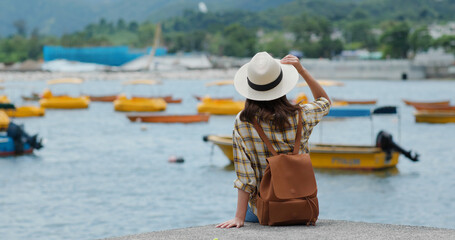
320,28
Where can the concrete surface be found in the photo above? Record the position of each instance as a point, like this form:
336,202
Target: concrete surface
324,229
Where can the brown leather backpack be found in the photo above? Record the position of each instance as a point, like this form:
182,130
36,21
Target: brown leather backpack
288,192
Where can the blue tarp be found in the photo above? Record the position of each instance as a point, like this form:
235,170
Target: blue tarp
112,56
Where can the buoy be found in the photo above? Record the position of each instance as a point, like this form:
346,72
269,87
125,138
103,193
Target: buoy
174,159
143,128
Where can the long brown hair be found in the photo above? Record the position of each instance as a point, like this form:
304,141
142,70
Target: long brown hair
278,109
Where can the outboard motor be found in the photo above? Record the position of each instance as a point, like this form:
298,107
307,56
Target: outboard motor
385,142
19,136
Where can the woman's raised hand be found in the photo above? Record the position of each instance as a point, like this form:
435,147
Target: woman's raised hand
294,61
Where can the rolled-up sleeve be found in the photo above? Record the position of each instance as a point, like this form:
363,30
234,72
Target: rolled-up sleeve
246,179
313,112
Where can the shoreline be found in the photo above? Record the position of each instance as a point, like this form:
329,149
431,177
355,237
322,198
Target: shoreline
205,74
324,229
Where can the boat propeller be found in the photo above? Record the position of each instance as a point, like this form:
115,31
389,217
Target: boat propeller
385,141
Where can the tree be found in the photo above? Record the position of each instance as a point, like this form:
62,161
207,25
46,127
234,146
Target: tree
420,40
240,41
395,40
447,42
275,43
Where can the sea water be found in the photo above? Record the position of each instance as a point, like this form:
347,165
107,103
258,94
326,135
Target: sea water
100,175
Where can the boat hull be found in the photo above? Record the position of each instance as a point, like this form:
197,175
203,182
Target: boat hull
139,105
438,103
330,156
356,102
65,102
435,116
171,118
26,111
110,98
7,147
220,107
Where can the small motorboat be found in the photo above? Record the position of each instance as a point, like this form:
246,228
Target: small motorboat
433,116
33,97
436,103
357,157
49,100
25,111
220,107
434,108
15,141
199,98
170,118
139,104
107,98
356,102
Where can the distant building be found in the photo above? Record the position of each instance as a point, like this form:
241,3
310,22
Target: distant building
436,31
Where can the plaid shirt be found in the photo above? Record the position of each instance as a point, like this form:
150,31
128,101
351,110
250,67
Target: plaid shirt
250,152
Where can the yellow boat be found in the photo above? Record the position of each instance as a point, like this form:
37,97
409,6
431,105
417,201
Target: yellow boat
4,121
63,102
220,106
435,116
25,111
4,99
139,104
384,154
301,98
330,156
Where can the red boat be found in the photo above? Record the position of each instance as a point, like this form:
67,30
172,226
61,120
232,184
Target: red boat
109,98
438,103
170,118
435,108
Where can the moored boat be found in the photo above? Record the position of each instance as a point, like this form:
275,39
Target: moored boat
356,102
107,98
220,107
139,104
433,103
49,100
435,116
357,157
170,118
434,108
25,111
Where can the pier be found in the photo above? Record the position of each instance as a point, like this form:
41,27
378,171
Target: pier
324,229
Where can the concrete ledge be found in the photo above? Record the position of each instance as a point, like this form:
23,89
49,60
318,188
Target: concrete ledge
324,229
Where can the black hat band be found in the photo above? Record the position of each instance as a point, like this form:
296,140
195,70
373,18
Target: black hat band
267,86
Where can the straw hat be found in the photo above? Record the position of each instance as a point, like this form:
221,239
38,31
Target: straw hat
265,78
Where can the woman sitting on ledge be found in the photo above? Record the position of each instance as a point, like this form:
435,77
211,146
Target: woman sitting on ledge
265,82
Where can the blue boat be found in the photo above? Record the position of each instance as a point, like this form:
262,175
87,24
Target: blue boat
340,112
7,147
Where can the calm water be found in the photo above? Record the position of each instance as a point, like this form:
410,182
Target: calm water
100,175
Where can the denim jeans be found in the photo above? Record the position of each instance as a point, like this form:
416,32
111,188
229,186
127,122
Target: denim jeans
250,217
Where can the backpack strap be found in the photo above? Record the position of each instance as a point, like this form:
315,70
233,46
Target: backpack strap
267,142
298,136
264,137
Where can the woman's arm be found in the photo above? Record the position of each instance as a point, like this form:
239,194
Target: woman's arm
315,87
239,219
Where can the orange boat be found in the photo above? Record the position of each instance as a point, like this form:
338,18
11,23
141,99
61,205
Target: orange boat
109,98
435,108
199,98
170,118
362,102
438,103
